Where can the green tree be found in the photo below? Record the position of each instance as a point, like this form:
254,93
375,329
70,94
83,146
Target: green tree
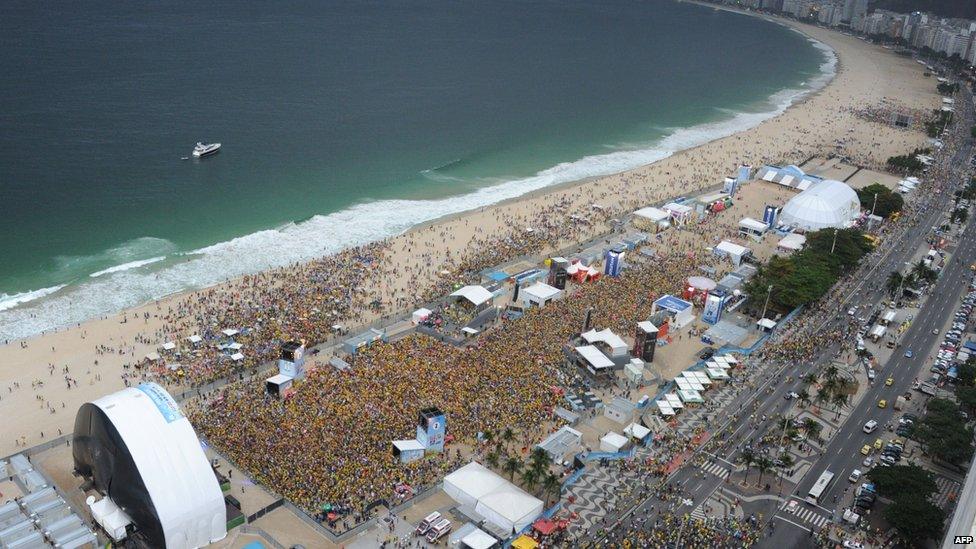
839,399
803,396
763,465
967,373
895,281
551,486
966,394
812,428
786,463
880,199
530,479
539,460
512,466
492,459
959,215
916,519
899,481
748,457
943,434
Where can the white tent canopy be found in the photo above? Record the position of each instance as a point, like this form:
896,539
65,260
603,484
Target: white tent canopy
753,225
664,408
479,539
470,483
229,332
792,242
494,498
637,431
194,339
613,442
475,294
594,357
827,203
509,507
540,292
612,340
652,214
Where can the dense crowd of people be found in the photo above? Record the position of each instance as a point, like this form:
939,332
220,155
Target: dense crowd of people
330,443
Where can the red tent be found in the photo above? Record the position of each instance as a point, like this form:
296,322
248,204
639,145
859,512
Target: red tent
544,526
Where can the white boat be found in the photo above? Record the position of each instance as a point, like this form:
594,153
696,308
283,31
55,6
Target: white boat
205,149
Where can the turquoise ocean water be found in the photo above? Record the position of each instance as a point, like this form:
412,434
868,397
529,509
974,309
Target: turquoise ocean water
341,123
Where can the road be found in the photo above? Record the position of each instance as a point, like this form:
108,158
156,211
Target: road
768,399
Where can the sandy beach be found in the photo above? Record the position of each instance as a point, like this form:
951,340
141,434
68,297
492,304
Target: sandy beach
43,380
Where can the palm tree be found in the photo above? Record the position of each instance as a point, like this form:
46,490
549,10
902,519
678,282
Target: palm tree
812,428
551,486
822,397
488,436
804,397
508,435
839,399
492,459
529,479
810,378
539,459
512,465
895,280
748,458
764,464
786,462
830,372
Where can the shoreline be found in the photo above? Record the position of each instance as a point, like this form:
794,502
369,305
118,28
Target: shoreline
714,130
809,126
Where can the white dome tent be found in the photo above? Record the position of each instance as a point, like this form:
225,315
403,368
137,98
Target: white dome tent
827,203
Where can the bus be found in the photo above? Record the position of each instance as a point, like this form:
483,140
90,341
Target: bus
819,487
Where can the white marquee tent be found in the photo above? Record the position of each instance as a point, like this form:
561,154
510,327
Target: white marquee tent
827,203
475,294
494,498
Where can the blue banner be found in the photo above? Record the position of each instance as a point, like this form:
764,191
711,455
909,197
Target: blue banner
163,401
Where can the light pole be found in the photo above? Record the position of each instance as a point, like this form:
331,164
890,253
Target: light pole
873,206
769,291
834,243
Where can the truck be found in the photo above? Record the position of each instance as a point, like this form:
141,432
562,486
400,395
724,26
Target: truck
900,403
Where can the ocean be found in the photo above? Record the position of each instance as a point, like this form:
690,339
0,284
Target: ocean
341,123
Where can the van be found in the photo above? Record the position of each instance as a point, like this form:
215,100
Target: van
438,530
870,426
428,521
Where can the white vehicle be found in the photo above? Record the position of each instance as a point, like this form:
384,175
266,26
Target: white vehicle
205,149
868,462
819,487
870,426
428,521
855,475
852,311
438,530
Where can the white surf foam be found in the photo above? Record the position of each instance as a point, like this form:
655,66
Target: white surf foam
127,266
11,301
360,224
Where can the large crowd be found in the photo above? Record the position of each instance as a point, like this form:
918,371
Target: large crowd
331,442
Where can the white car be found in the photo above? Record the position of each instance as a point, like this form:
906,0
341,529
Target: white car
855,475
851,544
868,462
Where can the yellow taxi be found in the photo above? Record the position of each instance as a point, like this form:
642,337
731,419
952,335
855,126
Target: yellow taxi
882,403
866,449
898,442
878,444
889,381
